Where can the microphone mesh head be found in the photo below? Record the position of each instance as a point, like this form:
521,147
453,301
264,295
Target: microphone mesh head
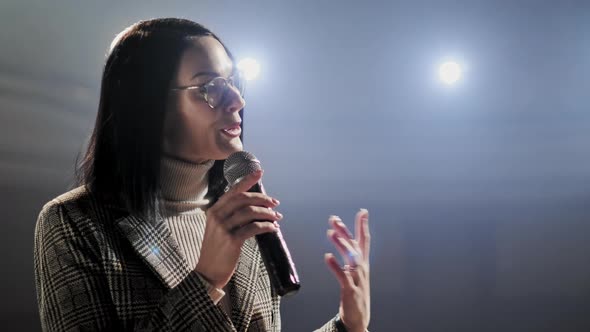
238,165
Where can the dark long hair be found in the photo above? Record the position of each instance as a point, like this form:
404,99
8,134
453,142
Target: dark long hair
122,161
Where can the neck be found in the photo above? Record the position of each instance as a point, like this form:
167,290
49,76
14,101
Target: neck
195,161
184,185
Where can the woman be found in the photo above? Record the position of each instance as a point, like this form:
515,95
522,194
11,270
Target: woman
150,241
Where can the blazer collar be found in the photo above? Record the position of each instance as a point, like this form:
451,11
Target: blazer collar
152,240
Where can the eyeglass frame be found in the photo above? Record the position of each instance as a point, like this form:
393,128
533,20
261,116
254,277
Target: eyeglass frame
229,83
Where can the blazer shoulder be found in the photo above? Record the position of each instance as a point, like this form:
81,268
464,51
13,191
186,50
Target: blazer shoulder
73,196
81,207
77,216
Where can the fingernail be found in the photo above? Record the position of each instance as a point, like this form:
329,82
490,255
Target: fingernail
279,215
277,226
331,220
364,214
276,201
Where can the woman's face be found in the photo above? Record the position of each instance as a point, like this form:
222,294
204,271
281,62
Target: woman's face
193,131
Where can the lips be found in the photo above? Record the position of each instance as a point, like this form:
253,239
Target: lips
232,130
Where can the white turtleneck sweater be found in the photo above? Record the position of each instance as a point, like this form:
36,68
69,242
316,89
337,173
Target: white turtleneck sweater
184,189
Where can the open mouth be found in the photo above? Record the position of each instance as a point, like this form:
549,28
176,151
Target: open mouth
233,130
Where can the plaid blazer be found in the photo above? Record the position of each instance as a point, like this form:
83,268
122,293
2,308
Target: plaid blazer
97,268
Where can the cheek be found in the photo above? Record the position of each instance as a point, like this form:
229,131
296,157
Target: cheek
172,121
188,125
198,126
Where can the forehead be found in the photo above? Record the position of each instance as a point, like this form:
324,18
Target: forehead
206,55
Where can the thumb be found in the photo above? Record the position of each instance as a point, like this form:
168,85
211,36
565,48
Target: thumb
246,182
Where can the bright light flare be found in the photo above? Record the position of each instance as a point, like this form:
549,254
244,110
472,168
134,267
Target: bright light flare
250,68
449,72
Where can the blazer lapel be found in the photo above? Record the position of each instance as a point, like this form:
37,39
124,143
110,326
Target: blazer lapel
243,285
153,241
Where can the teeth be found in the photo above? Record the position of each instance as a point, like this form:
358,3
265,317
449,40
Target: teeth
231,130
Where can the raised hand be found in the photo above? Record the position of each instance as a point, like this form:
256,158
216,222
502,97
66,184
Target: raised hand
353,277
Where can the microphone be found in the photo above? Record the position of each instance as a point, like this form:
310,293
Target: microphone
274,251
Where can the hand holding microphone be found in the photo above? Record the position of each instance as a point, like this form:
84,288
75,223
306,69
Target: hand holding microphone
242,212
233,219
274,251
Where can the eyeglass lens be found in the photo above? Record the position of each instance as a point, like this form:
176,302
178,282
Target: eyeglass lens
218,89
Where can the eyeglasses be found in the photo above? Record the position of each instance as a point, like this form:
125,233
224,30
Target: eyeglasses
216,91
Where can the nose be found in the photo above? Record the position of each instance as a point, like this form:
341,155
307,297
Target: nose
234,101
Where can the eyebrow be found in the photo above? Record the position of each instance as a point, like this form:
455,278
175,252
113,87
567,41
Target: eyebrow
204,73
212,73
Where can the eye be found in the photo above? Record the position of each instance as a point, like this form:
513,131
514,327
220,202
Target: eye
216,91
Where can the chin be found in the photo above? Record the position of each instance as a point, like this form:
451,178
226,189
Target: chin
226,151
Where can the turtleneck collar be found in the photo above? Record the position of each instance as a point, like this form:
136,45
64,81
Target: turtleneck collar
184,185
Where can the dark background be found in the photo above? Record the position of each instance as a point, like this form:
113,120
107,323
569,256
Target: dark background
478,192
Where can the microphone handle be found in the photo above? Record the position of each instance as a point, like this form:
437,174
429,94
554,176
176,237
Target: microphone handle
277,258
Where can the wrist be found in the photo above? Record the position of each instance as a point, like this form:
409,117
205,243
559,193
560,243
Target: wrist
341,327
205,276
216,294
208,282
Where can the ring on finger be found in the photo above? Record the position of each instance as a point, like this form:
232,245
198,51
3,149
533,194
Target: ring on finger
349,268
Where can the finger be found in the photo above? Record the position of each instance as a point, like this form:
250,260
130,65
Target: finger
343,231
366,237
362,233
249,214
258,227
243,199
245,183
346,251
344,280
354,272
339,226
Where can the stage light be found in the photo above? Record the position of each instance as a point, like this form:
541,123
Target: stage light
250,68
449,72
